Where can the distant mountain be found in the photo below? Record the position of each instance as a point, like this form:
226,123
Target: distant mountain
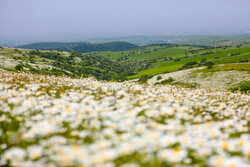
81,47
50,45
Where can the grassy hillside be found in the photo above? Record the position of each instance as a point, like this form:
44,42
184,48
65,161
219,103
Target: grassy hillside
222,76
144,52
215,55
68,63
151,53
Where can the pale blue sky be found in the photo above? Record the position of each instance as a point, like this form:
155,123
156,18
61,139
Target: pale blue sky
55,20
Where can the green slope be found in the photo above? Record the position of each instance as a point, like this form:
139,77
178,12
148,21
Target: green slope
219,56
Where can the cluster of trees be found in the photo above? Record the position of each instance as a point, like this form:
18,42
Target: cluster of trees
203,62
99,67
48,55
189,65
111,46
143,79
169,80
36,69
206,53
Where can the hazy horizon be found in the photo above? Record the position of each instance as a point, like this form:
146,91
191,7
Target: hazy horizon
79,20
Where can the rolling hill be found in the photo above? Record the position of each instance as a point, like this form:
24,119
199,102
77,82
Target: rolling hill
68,63
81,47
50,45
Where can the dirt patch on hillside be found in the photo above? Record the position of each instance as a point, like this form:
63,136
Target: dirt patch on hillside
212,80
6,62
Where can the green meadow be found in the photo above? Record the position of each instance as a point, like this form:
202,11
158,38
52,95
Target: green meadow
170,66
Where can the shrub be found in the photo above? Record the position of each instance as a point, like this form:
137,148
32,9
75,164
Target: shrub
177,59
32,61
203,61
169,80
210,66
158,78
143,78
209,63
19,67
243,61
189,64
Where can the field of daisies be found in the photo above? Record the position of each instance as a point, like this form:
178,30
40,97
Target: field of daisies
59,121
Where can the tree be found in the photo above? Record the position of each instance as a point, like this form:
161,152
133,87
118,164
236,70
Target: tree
19,67
158,77
143,79
210,66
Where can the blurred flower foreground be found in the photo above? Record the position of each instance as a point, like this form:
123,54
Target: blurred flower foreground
60,121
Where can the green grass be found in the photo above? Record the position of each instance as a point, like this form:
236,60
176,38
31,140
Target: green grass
155,71
146,53
234,59
112,55
227,67
170,66
168,52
